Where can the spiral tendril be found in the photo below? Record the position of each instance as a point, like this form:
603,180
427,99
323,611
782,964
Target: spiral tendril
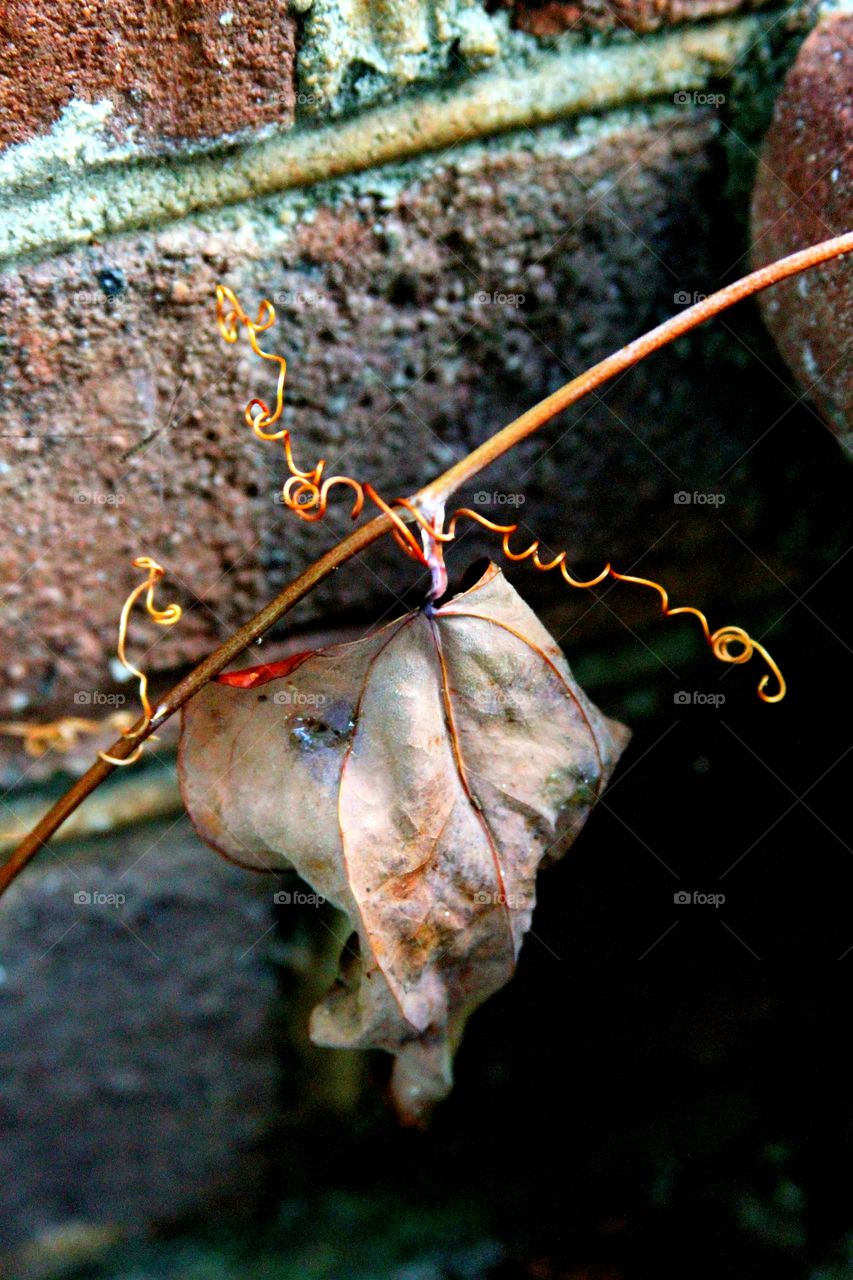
62,734
163,618
307,494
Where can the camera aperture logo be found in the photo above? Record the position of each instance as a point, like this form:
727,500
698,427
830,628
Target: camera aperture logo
95,698
298,898
697,98
97,498
301,298
683,898
499,299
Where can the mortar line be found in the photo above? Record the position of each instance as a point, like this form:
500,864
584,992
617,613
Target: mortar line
556,85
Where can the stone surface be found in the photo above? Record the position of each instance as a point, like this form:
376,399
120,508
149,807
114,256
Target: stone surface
353,54
803,194
418,312
420,309
552,17
74,189
172,70
140,1045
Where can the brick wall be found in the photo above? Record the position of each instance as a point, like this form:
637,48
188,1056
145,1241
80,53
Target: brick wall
411,162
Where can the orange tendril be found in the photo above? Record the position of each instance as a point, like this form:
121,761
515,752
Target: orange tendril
307,494
163,618
728,644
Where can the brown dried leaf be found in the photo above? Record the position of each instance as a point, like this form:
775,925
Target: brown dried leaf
417,779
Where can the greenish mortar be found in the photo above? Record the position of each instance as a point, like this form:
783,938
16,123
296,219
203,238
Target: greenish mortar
575,79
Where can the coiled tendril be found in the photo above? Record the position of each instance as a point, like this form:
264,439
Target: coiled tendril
62,735
307,494
164,618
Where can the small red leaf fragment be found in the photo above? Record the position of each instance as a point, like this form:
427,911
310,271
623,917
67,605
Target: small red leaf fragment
250,677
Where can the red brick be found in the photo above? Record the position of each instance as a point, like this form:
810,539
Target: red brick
172,68
552,17
395,369
803,194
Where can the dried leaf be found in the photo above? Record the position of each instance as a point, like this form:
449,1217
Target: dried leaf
416,779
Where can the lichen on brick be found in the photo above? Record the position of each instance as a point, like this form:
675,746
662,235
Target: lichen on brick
356,52
174,73
79,139
571,80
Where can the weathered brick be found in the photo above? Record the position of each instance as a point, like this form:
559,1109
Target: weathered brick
396,367
552,17
173,71
140,1044
803,194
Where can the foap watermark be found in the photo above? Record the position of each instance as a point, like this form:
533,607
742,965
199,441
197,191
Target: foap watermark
112,287
682,298
311,299
97,498
298,898
499,299
697,98
698,498
493,701
485,498
297,698
95,698
97,300
684,898
694,698
515,901
295,499
94,898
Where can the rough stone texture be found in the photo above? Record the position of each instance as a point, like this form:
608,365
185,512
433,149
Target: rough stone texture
352,54
552,17
139,1043
80,190
123,428
397,366
173,70
804,193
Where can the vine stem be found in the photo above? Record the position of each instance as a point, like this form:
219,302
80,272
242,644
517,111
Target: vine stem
436,492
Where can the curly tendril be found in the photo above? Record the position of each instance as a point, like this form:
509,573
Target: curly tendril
307,494
63,734
163,618
728,644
